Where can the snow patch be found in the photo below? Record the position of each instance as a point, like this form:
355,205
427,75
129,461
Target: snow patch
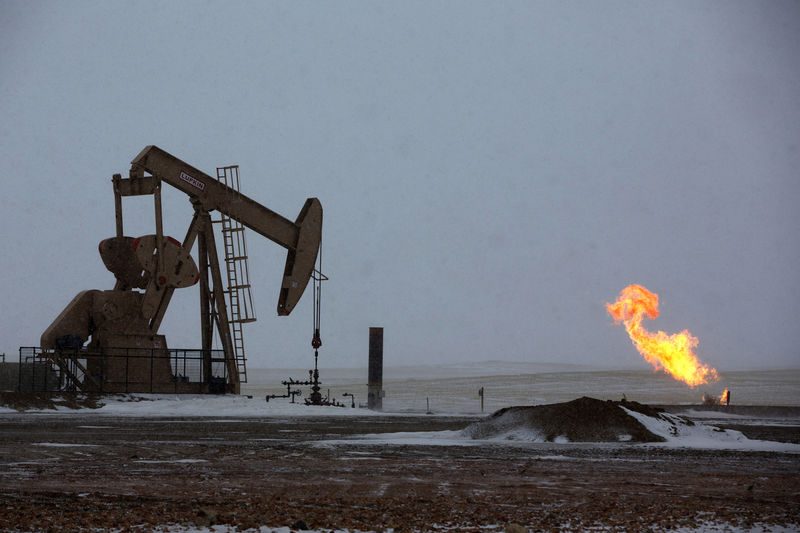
403,438
64,445
679,433
153,461
163,405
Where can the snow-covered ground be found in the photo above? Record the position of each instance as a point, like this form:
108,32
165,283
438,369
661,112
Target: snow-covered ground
699,436
673,428
224,406
680,434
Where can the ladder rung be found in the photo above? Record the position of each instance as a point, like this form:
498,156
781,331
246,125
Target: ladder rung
239,303
242,320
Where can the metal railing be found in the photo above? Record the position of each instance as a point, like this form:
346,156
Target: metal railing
121,370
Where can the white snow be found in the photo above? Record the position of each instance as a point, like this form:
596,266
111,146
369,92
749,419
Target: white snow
403,438
693,413
227,408
679,434
171,461
63,445
513,434
718,416
189,405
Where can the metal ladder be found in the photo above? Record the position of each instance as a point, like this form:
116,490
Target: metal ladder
238,295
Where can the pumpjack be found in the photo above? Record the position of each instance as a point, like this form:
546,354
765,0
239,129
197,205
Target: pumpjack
96,338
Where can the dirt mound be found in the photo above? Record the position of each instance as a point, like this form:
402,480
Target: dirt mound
22,401
581,420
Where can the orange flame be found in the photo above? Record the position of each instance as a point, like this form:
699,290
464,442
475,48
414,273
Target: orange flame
673,353
722,399
725,397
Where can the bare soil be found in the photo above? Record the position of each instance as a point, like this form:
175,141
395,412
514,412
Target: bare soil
581,420
23,401
80,472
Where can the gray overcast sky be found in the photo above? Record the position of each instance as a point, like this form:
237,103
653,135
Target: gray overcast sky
491,172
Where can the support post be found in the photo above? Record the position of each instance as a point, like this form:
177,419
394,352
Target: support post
375,371
223,326
206,321
159,230
115,180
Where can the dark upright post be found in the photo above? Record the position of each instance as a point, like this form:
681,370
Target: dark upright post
375,371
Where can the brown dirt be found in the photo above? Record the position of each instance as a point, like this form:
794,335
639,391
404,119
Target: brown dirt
120,473
23,401
581,420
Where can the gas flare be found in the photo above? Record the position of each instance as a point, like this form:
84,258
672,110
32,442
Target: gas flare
722,399
672,353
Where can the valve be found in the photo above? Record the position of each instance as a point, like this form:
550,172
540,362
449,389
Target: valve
316,342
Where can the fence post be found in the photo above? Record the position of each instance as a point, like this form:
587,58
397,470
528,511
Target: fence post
33,375
127,369
151,371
